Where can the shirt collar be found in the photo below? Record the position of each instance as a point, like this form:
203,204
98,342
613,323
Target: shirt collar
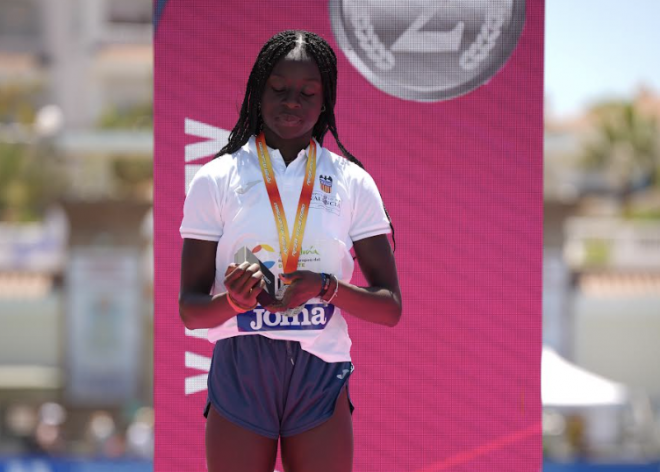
276,156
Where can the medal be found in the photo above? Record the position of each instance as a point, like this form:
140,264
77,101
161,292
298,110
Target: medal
427,50
289,246
291,311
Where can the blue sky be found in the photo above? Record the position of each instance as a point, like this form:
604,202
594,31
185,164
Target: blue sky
599,49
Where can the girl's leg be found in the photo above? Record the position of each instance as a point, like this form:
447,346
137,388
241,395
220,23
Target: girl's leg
326,448
231,448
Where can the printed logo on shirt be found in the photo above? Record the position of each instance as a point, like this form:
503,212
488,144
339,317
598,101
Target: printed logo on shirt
312,317
326,183
323,201
269,257
266,251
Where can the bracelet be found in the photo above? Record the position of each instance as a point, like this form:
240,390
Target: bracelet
238,308
325,284
336,290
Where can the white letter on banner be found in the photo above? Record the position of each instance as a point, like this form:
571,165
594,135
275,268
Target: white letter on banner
216,139
258,321
268,321
196,383
197,333
318,316
415,40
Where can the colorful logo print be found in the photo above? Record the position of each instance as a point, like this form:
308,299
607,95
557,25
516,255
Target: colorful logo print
326,183
270,254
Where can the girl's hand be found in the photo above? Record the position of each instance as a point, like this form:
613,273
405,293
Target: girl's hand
303,285
244,283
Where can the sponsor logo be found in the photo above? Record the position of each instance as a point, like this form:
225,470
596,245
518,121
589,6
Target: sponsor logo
196,154
311,317
266,251
326,183
269,257
343,374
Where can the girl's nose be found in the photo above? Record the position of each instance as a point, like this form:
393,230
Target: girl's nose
292,99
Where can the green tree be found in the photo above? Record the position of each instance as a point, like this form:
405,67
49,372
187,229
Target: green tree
624,146
18,102
138,117
31,177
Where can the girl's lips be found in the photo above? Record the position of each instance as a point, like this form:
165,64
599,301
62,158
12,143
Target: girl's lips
286,119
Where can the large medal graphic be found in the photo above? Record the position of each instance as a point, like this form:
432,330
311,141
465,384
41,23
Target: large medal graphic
427,50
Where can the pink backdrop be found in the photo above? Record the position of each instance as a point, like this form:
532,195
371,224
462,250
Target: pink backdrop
456,385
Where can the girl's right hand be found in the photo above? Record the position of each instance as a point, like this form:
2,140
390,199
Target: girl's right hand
244,283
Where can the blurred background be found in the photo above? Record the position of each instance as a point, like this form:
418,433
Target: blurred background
601,252
76,311
76,276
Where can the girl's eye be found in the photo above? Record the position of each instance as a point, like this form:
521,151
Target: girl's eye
307,94
277,90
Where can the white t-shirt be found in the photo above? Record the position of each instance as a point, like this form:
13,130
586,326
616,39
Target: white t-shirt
227,202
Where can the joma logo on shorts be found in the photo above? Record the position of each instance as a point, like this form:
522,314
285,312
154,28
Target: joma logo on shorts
311,317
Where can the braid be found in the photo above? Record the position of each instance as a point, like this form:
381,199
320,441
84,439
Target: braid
249,121
356,161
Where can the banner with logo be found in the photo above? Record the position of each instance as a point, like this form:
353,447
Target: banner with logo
442,102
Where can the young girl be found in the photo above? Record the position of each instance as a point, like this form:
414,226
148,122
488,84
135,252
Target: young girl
280,367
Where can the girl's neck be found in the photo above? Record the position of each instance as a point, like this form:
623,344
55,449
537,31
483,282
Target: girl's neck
289,148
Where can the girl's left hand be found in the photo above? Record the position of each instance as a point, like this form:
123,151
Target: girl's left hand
303,285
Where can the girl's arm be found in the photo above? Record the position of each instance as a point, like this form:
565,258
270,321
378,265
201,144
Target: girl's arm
197,307
380,302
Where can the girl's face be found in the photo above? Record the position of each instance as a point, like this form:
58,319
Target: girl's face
292,98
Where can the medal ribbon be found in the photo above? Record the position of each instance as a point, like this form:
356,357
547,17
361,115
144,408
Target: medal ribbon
289,246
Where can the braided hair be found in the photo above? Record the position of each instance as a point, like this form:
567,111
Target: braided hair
250,122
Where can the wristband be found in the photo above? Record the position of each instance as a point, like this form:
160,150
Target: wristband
336,290
325,284
238,308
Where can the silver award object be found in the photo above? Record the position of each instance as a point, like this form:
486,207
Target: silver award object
274,285
427,50
245,255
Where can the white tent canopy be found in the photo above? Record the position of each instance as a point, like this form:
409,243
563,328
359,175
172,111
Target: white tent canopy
566,385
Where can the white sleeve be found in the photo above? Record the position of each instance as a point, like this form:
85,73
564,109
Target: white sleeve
369,218
202,210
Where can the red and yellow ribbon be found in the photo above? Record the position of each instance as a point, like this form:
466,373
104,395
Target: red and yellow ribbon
290,247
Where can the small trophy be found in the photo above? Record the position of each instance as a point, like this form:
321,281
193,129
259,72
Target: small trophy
269,295
274,287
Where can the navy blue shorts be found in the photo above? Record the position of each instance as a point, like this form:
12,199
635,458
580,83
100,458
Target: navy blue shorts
273,387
